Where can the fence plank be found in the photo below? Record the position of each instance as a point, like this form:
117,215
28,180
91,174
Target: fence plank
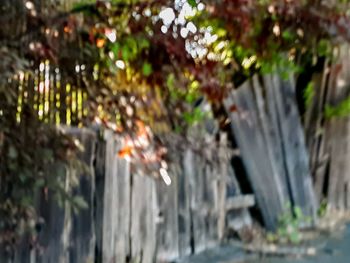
116,216
131,216
271,141
51,237
143,223
211,195
240,201
267,185
239,219
185,245
167,218
82,239
337,131
200,204
222,186
329,139
100,168
293,146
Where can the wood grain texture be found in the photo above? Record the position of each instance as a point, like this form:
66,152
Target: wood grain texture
116,217
270,137
136,217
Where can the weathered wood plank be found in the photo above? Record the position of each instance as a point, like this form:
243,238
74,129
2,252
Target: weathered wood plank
240,201
54,228
341,148
130,216
167,218
197,203
143,219
99,196
315,131
269,123
335,138
116,216
238,219
267,185
294,147
184,209
82,239
210,175
271,140
222,186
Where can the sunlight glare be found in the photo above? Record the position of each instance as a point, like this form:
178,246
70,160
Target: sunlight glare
166,178
167,15
120,64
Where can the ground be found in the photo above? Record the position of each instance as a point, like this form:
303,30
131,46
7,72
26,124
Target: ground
334,249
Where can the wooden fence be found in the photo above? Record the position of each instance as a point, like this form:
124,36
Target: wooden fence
266,123
136,218
328,137
160,222
46,92
49,96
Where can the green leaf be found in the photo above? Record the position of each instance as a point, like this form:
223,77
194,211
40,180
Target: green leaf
59,200
309,94
47,154
294,237
147,69
188,117
192,3
323,48
143,43
282,232
115,49
80,202
22,177
329,112
125,53
271,237
192,117
190,98
178,129
131,43
340,110
12,153
298,213
40,182
26,201
287,35
84,6
170,81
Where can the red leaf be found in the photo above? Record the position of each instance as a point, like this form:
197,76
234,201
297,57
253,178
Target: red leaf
125,152
233,108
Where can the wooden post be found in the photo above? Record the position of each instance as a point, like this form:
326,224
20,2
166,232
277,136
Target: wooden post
222,185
